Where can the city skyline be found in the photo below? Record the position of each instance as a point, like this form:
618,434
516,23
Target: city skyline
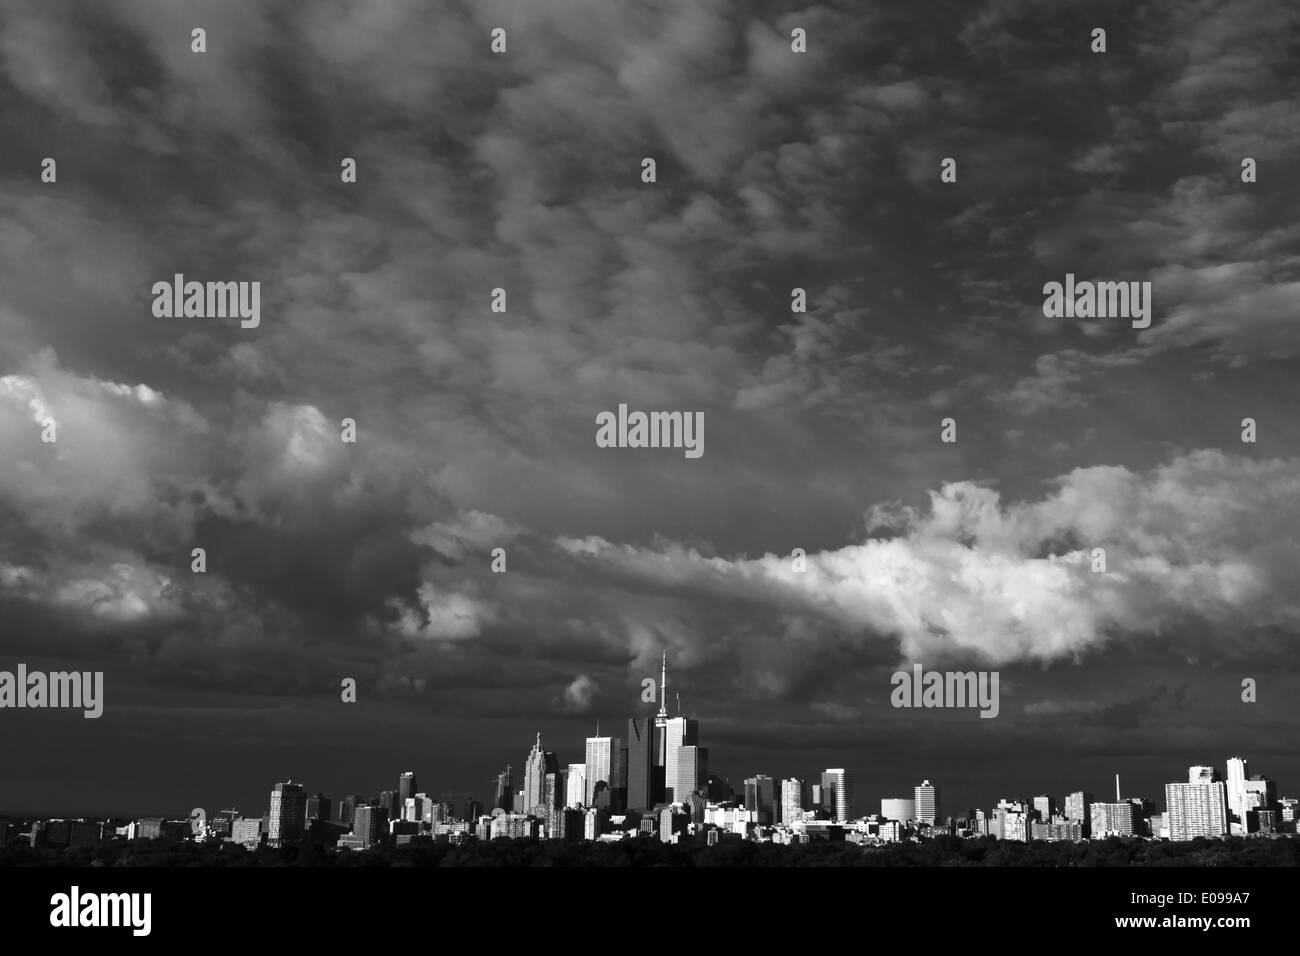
861,789
1205,805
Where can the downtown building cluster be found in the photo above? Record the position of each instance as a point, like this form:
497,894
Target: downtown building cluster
654,781
597,800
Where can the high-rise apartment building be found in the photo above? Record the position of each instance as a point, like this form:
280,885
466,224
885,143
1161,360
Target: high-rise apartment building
1044,808
1198,807
1078,809
1113,819
792,800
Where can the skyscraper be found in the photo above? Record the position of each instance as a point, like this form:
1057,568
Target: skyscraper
642,792
406,788
792,807
347,806
926,798
836,793
369,823
540,763
761,796
1238,773
318,807
1045,808
678,732
1078,809
504,795
602,764
692,773
1260,800
575,787
288,814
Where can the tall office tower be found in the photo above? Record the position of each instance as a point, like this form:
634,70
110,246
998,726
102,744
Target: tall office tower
926,797
288,814
371,824
1237,774
818,799
318,807
540,763
388,800
1196,808
1199,774
692,776
575,788
1045,808
503,798
791,800
618,776
761,797
602,763
347,806
837,780
642,794
678,732
406,787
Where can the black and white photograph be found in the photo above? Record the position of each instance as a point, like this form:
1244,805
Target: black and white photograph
851,436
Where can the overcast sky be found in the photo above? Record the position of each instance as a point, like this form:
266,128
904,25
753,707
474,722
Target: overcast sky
476,429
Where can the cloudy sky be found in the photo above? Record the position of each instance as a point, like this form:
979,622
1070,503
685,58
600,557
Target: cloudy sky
476,429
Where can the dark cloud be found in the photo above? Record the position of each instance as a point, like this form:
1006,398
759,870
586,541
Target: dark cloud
476,428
